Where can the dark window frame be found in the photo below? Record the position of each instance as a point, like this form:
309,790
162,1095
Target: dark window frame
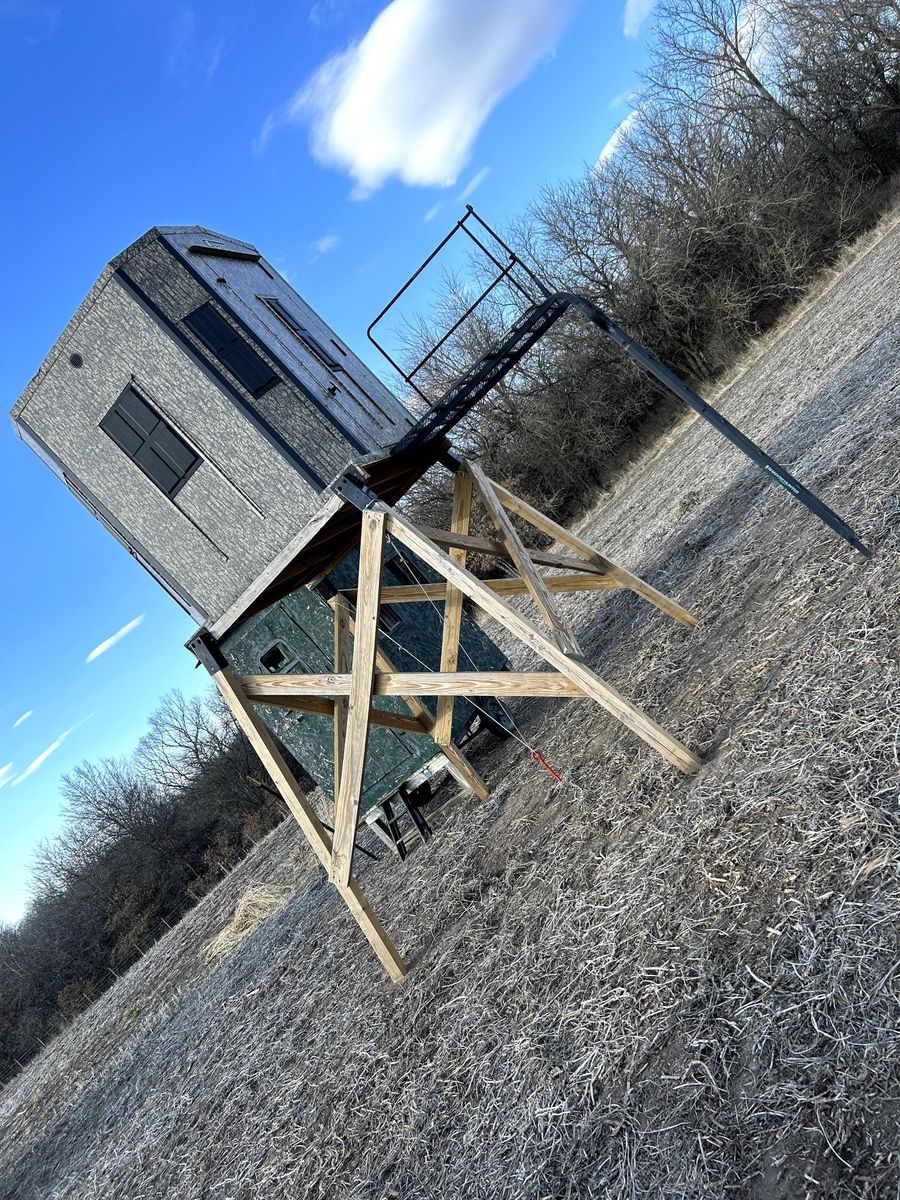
127,433
290,657
228,338
279,309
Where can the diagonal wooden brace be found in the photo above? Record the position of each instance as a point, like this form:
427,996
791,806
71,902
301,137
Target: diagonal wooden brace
561,632
459,765
539,520
261,740
616,704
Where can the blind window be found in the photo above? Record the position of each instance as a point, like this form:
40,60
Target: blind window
315,347
149,441
231,349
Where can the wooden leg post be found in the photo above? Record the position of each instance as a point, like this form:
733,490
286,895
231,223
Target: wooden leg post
623,710
365,644
453,606
302,811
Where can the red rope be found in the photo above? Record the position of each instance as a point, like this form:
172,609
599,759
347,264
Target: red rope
537,757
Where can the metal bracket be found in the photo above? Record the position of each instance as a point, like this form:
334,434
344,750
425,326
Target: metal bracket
354,490
206,650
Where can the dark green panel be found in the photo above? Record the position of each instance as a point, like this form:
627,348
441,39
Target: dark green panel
296,636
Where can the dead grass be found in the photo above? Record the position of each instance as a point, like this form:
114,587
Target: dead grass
255,906
633,984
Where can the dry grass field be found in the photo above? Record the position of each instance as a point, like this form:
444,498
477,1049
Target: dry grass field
630,984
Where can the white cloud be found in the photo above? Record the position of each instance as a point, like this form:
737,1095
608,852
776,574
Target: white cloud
116,637
410,98
42,757
618,134
24,717
474,183
182,35
213,59
635,14
433,212
324,245
6,774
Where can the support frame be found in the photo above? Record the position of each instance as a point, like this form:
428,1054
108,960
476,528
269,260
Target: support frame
347,695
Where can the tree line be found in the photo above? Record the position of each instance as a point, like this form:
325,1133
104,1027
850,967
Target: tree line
764,136
143,839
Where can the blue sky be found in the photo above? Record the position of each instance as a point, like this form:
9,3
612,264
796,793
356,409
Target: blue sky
343,138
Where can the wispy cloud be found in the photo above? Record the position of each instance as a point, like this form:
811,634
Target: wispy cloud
433,212
43,756
618,134
324,245
325,13
212,57
409,99
191,57
474,184
36,21
116,637
635,14
24,717
6,774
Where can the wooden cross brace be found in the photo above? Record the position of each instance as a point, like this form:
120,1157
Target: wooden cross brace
346,695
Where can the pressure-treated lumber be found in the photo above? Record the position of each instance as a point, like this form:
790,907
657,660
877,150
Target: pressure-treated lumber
347,802
462,769
341,610
626,712
540,521
458,763
300,808
323,707
453,606
269,689
560,630
469,541
416,593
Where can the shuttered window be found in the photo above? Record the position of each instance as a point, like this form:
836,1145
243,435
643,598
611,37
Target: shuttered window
284,314
149,441
231,349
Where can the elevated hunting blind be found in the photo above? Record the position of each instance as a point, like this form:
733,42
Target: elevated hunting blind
199,407
240,450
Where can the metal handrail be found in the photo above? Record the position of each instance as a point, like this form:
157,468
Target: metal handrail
505,272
